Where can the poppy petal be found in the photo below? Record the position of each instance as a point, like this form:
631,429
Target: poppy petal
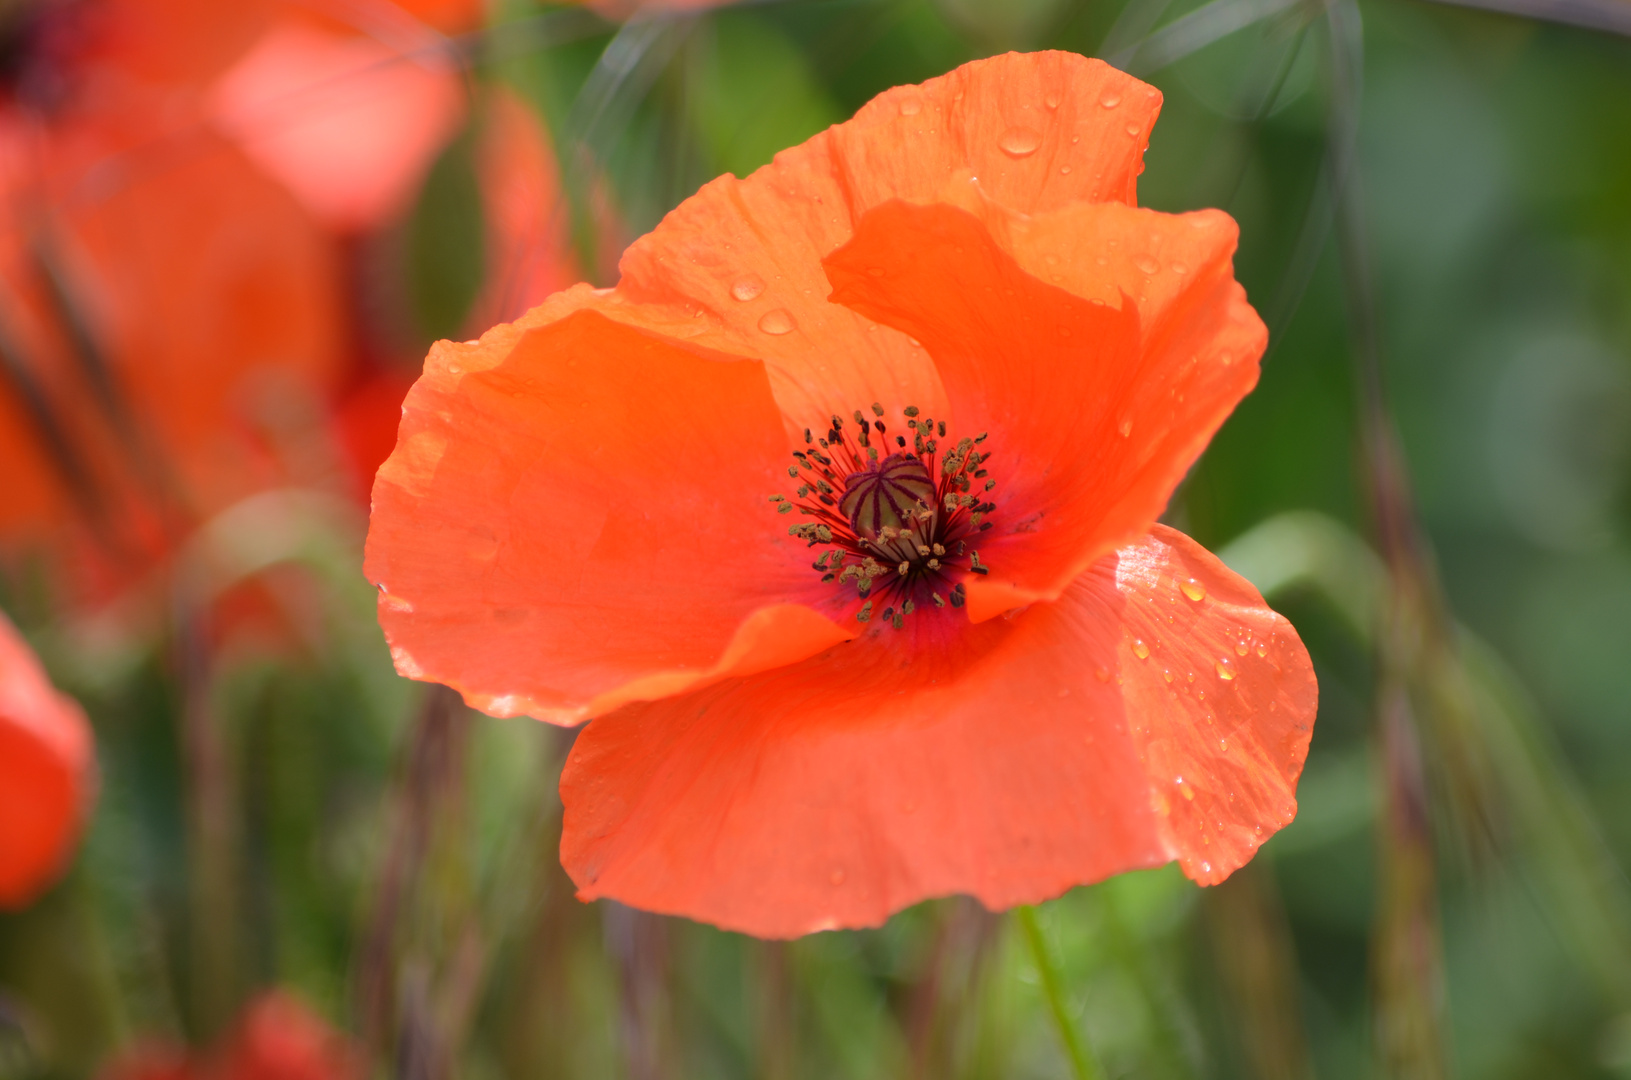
1223,703
45,773
575,516
1021,757
1040,130
1099,389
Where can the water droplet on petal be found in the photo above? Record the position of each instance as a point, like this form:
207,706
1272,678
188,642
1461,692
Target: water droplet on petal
777,322
1179,268
910,106
1051,101
1126,428
1064,170
1147,264
1166,673
1262,649
1206,867
749,287
454,369
1109,99
1241,648
1019,141
1133,130
1223,670
1193,589
1141,650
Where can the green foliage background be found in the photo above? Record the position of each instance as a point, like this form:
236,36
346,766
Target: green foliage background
391,858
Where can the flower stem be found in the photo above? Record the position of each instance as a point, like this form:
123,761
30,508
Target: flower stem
1082,1062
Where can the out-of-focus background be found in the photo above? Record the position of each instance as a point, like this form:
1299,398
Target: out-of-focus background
228,232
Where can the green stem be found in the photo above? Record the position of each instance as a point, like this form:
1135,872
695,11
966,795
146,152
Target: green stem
1082,1062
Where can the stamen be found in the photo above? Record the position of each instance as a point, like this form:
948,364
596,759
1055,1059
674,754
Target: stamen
896,523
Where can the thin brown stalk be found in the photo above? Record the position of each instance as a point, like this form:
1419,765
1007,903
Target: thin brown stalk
1258,966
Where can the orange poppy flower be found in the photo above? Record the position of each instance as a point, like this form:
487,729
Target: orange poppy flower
941,648
46,773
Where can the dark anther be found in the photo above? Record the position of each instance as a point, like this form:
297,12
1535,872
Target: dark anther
877,409
901,440
807,437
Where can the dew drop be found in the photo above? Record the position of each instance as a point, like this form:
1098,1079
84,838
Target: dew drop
1189,794
1262,649
1102,674
1109,99
1166,673
1179,268
1126,428
1051,101
454,369
1226,358
1064,170
1019,142
910,106
748,288
1141,650
1241,648
1147,264
1223,670
1193,589
1133,129
1206,867
777,322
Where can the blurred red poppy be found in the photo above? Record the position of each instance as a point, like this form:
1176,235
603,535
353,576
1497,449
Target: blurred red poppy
941,648
169,316
276,1038
47,774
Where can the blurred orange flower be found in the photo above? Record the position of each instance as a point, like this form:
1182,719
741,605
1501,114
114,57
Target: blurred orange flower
47,774
276,1038
173,319
169,316
999,675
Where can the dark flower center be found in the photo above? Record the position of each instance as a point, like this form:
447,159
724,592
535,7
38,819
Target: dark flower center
898,525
